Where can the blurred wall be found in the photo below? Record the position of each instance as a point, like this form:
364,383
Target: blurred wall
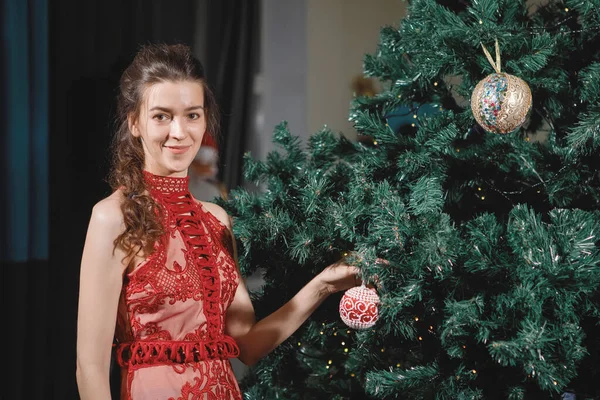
311,52
339,34
281,85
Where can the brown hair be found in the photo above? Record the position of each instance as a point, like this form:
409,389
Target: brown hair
152,64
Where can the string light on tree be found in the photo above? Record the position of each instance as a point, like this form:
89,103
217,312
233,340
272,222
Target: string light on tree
500,102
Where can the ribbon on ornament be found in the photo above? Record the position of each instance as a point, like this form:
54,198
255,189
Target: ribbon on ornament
496,64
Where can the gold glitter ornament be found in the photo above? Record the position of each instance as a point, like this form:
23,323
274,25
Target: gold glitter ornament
500,102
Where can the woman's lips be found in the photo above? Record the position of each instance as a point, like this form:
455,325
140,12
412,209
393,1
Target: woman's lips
178,149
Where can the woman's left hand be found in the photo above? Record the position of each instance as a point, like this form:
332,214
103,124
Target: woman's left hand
339,276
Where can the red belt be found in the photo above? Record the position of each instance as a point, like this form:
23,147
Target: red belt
150,352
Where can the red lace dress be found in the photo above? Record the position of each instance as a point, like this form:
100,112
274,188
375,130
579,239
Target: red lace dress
170,328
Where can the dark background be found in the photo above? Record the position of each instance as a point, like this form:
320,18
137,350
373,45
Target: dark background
70,56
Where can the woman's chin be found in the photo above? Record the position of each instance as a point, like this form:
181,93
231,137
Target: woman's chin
179,167
176,170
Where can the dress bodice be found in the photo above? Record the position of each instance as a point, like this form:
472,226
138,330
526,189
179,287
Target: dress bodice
173,303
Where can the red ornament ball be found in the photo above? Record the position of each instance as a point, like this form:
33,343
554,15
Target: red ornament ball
359,307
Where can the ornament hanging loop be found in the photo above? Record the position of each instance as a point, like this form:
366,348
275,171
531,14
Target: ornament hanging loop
497,65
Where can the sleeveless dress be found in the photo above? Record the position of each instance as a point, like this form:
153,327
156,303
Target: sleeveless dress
170,327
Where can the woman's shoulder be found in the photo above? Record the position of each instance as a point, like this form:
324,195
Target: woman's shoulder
107,212
218,212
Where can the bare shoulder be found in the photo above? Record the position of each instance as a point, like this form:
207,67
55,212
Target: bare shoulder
218,212
106,224
107,214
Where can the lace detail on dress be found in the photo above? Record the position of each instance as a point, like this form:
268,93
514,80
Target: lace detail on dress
175,352
166,184
182,215
174,303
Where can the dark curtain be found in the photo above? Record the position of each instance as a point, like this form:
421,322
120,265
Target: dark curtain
59,69
232,56
24,195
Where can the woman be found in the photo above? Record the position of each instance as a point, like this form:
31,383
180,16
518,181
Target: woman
159,271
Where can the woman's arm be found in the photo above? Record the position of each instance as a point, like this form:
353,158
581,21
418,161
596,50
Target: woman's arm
101,277
257,339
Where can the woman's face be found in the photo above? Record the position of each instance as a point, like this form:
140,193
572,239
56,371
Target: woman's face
171,125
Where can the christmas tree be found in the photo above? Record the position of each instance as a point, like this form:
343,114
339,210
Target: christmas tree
477,223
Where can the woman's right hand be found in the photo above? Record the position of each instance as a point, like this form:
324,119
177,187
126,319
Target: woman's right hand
338,277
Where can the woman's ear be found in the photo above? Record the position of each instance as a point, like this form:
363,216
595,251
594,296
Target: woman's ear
133,127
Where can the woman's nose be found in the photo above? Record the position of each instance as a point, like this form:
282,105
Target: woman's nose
177,129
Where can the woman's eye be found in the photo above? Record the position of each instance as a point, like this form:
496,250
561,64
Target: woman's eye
194,116
161,117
